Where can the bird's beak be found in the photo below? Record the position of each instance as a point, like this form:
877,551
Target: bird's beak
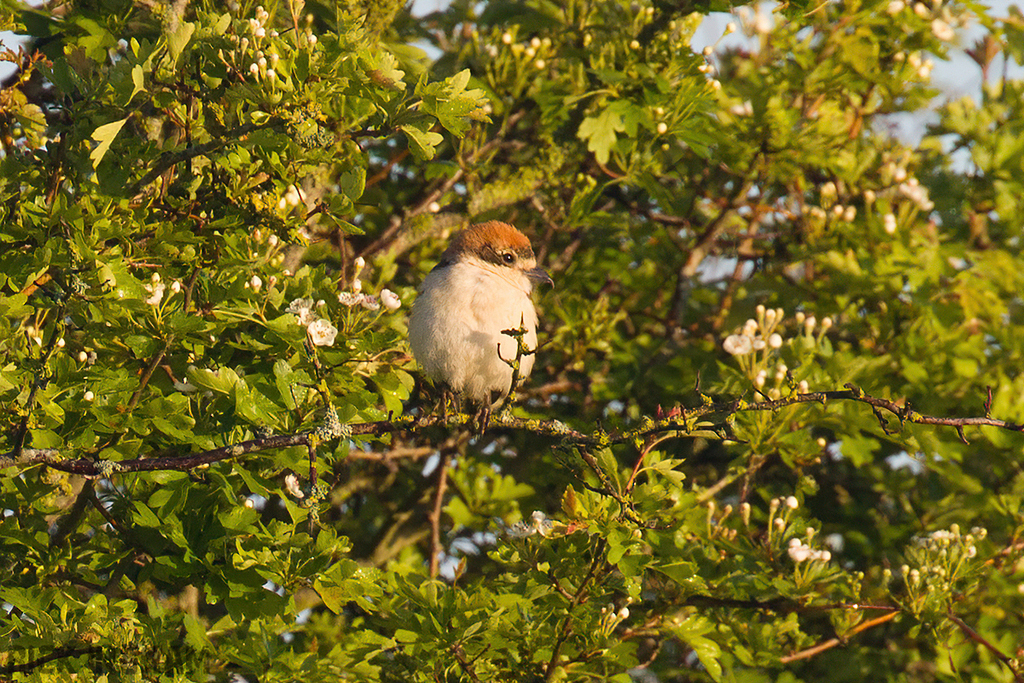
540,276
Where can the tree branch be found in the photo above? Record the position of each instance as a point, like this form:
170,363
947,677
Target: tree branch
435,512
680,424
170,159
833,642
996,652
59,653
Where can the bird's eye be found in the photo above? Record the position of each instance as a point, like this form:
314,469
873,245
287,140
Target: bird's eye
509,258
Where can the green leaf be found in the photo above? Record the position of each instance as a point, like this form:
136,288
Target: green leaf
178,39
601,131
138,81
104,135
195,633
422,142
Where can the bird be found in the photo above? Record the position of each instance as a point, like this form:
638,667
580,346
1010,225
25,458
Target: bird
479,290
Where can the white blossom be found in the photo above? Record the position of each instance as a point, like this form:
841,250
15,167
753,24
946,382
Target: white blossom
799,552
889,222
322,333
738,344
156,291
291,485
302,309
349,298
390,300
942,31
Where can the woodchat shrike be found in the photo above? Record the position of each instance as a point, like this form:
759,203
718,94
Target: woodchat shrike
481,286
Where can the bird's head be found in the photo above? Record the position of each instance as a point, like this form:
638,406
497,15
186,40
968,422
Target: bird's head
500,249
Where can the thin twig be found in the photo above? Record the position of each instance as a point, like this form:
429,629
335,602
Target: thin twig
577,598
435,512
981,640
833,642
169,159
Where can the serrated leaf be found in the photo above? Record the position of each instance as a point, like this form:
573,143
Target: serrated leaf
601,133
422,143
195,633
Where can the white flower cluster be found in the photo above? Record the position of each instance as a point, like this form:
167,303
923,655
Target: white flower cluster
263,60
940,560
756,335
759,335
538,524
34,334
922,66
291,198
292,486
943,540
897,183
917,193
156,289
744,109
389,299
755,20
942,19
801,552
321,332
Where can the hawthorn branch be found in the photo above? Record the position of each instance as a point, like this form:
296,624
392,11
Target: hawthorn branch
833,642
167,160
681,424
435,512
60,653
577,598
1007,661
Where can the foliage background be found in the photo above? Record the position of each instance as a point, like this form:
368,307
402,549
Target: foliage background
175,175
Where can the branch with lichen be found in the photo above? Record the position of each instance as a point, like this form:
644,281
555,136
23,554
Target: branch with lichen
681,423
